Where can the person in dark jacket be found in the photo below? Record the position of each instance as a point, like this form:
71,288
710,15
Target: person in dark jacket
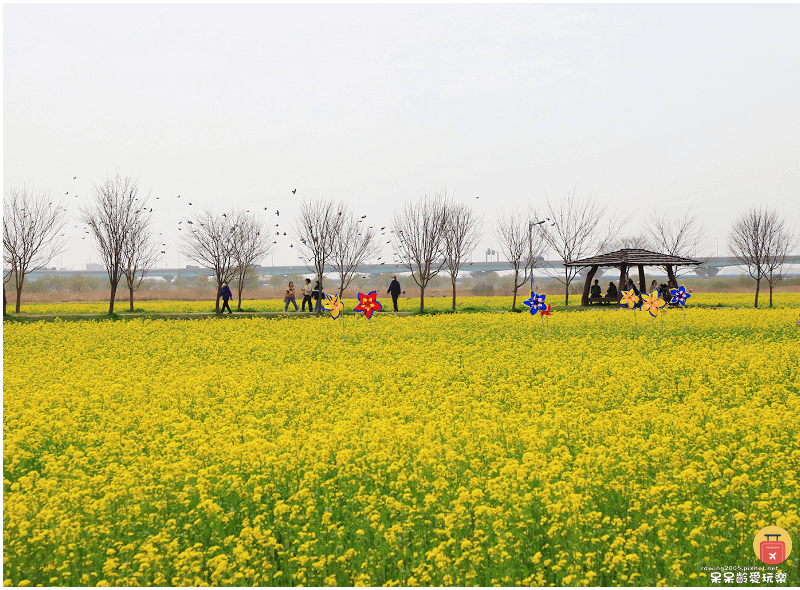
317,295
226,295
394,291
596,290
612,293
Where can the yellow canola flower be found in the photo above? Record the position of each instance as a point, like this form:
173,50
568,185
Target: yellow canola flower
200,452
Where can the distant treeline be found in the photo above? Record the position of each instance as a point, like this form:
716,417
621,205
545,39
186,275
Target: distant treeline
483,284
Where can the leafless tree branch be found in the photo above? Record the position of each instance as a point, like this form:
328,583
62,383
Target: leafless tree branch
353,245
31,235
522,244
419,230
462,233
210,244
111,217
317,227
573,230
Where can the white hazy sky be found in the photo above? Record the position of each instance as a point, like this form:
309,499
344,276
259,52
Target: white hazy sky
644,107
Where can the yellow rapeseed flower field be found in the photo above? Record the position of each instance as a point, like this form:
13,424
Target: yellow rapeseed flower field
438,303
449,450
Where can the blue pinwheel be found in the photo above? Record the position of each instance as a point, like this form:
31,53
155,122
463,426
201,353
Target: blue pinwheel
679,296
536,302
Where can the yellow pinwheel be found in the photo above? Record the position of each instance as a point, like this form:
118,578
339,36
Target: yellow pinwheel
652,303
334,305
629,298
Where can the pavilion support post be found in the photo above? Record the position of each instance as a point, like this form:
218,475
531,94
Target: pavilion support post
671,275
623,269
587,286
642,281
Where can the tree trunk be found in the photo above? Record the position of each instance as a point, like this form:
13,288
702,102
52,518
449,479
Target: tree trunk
219,294
587,286
566,295
622,271
19,297
770,293
421,299
454,295
319,300
130,288
514,300
758,288
5,301
113,298
239,306
671,275
642,281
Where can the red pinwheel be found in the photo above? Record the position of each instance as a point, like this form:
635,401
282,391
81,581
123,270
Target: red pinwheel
368,304
548,311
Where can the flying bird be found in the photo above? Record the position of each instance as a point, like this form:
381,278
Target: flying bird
294,191
291,245
383,228
224,215
179,196
66,193
163,252
74,177
190,203
151,210
363,216
278,213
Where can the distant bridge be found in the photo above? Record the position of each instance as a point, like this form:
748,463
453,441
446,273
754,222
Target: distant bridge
709,268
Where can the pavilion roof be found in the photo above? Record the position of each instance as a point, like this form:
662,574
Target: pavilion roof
633,257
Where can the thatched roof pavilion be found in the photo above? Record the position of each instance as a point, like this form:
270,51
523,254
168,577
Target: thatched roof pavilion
626,259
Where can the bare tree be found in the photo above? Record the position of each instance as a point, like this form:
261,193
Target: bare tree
140,252
210,245
419,230
462,232
748,242
352,246
111,218
573,230
251,244
31,235
779,243
640,242
316,228
681,236
522,245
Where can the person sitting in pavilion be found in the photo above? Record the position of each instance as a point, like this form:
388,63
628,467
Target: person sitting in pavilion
596,290
612,291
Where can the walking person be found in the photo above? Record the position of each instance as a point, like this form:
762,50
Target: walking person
394,290
307,291
289,298
226,295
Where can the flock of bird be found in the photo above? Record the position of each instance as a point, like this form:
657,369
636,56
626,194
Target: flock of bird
186,218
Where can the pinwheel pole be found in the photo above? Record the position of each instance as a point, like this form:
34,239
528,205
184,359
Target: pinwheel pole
371,333
685,329
544,331
662,322
635,322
